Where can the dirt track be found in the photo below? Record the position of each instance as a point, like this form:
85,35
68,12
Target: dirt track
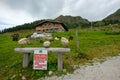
108,70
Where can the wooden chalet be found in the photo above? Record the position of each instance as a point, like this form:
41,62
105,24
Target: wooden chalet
50,26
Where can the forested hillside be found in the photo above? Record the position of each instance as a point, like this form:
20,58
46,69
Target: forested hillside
69,21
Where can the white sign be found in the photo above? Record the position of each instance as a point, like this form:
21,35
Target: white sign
40,59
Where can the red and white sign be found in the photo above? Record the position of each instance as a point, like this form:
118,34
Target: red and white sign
40,59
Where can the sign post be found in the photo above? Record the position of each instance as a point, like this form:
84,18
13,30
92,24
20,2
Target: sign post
40,59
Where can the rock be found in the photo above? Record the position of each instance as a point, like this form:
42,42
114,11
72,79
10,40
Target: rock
50,72
46,44
42,36
23,78
56,38
64,70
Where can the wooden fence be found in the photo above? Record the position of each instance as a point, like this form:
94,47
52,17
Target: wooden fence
27,51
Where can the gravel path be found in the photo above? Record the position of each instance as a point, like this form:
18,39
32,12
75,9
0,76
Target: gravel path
108,70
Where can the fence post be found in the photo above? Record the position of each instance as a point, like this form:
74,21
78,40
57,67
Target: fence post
26,59
60,62
77,42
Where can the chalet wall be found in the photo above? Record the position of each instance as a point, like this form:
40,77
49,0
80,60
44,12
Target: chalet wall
50,27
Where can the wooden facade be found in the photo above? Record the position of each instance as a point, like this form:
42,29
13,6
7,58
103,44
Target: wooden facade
49,27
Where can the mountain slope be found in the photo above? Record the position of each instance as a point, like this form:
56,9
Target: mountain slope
114,17
72,21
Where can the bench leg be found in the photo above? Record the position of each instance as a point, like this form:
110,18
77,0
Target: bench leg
60,63
26,59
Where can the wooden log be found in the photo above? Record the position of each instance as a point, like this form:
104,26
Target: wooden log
31,50
77,41
26,59
60,63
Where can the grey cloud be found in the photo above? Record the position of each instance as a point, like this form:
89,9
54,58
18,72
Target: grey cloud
37,8
53,7
4,23
50,8
90,9
31,6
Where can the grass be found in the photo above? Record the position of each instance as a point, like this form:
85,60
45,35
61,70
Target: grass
93,44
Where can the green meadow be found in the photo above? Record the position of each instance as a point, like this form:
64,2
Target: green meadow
97,43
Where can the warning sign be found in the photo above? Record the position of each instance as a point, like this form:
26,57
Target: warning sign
40,59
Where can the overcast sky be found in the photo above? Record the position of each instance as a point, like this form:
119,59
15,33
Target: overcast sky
16,12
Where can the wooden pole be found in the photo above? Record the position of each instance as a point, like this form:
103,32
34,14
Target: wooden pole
60,63
91,26
77,42
26,59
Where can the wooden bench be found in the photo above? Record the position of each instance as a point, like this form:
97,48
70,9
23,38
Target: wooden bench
27,51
